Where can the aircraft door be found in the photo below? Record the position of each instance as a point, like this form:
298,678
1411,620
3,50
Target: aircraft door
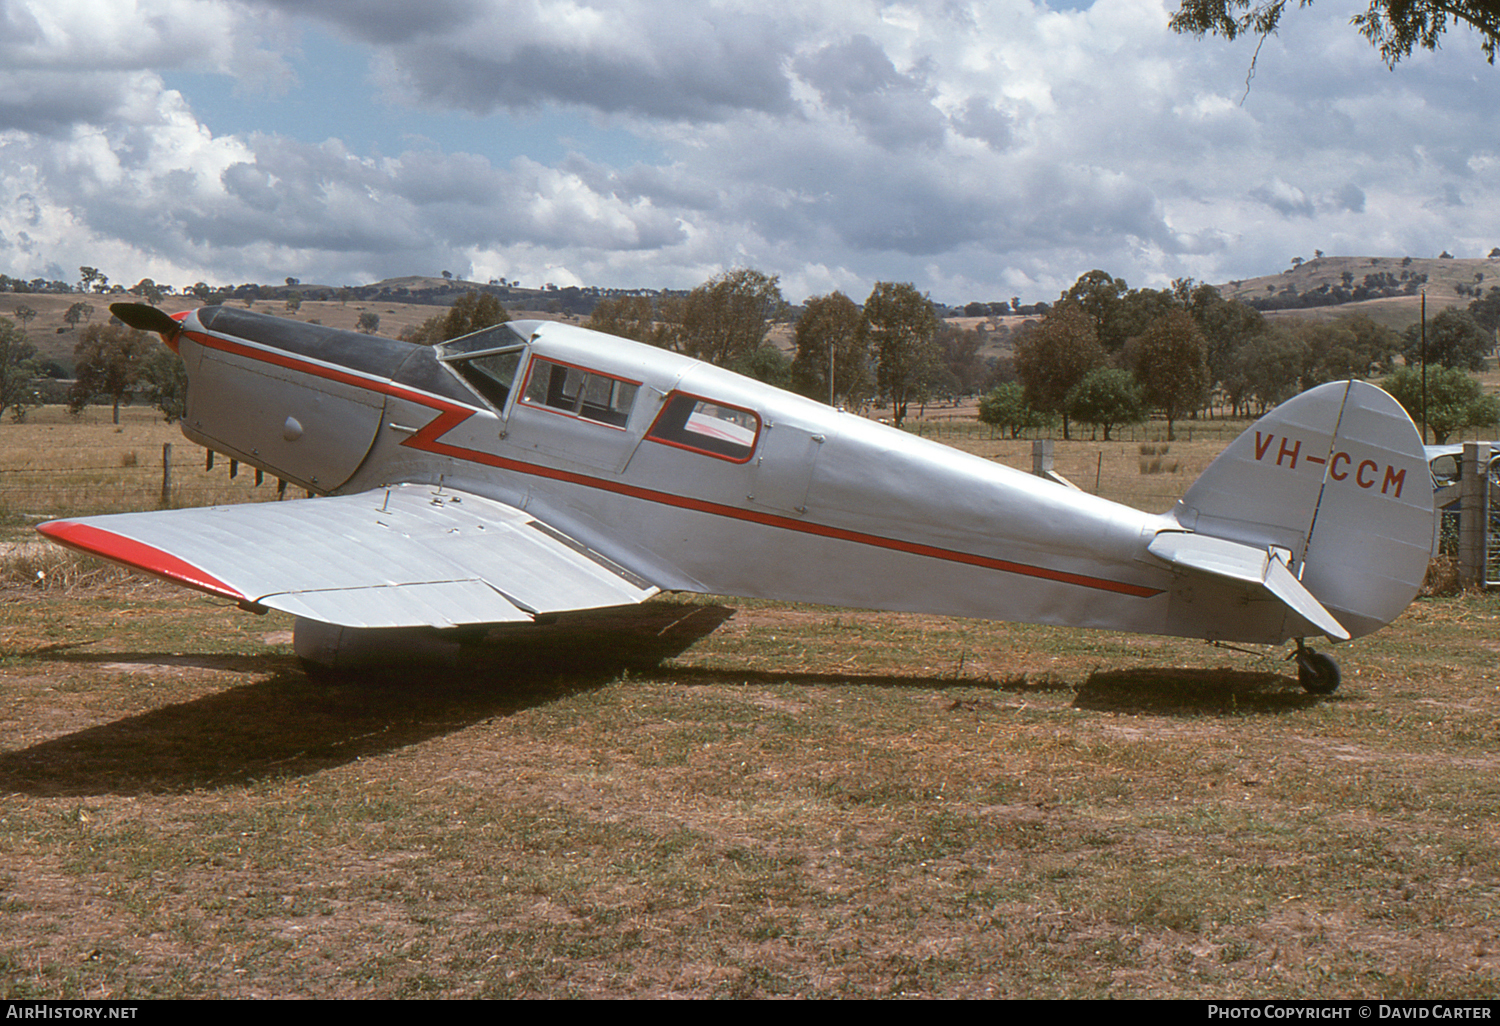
311,429
574,414
785,464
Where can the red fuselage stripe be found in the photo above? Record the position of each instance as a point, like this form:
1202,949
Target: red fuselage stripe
451,414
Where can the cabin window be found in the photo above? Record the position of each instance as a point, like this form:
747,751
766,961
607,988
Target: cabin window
492,375
702,425
582,393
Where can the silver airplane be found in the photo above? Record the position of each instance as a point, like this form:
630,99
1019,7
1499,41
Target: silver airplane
535,468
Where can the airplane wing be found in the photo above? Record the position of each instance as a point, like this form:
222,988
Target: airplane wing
404,556
1262,569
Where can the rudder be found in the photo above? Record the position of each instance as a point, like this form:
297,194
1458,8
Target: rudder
1338,479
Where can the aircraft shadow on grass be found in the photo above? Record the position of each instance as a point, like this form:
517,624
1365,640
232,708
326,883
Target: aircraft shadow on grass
1174,691
293,724
1165,690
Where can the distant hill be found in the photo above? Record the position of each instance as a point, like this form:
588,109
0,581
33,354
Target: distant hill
1386,288
400,303
1389,289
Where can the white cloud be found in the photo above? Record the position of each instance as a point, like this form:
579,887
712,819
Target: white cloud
982,150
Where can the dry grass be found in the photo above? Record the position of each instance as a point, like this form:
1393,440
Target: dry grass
1117,469
55,465
738,799
794,801
1442,578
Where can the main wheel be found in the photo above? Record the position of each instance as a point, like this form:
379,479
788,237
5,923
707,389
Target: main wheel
1317,672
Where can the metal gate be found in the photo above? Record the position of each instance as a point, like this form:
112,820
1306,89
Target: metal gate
1492,523
1466,494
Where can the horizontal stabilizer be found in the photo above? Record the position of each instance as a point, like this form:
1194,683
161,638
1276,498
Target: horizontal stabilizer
1262,569
407,556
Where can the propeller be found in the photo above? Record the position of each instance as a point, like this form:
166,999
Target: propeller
147,318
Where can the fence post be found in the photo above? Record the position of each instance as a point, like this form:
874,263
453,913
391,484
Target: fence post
166,475
1473,517
1041,457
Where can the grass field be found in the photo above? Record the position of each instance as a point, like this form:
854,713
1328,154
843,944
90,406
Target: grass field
54,464
57,465
731,798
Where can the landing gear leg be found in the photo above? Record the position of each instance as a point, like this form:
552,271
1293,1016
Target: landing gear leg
1316,672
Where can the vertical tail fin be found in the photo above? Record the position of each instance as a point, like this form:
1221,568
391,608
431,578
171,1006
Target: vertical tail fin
1337,478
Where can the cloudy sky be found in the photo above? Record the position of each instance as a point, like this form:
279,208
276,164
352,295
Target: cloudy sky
978,149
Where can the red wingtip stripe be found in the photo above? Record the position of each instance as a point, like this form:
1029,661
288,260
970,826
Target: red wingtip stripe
138,555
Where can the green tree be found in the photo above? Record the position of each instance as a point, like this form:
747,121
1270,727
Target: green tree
1395,27
107,362
148,290
767,364
1005,408
1056,354
1101,297
1267,369
1375,344
369,322
1329,353
727,317
25,315
900,325
1106,397
958,349
1226,325
632,317
1139,309
1171,362
1349,347
1485,310
166,382
1454,339
471,312
78,312
831,324
18,370
1454,400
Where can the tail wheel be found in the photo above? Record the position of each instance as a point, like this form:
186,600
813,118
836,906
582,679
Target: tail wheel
1317,672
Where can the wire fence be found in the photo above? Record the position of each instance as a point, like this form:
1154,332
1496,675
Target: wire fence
178,477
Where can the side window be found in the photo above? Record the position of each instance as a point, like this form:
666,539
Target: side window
702,425
582,393
491,375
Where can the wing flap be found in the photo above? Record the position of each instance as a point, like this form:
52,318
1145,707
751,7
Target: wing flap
410,555
433,603
1261,569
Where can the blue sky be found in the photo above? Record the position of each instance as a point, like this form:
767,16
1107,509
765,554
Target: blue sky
323,66
980,150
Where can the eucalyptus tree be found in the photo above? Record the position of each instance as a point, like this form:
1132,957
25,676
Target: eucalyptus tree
900,325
